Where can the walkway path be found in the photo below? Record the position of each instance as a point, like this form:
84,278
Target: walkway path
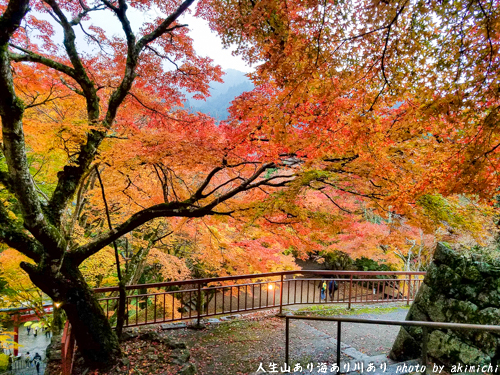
361,344
30,343
257,341
367,338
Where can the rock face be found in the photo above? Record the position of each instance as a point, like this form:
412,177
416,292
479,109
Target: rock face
455,290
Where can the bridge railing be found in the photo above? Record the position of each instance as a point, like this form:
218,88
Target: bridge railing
68,344
201,298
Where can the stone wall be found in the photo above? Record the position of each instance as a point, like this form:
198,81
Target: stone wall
456,289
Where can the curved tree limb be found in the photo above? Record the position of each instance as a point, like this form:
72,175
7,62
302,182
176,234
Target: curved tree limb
14,147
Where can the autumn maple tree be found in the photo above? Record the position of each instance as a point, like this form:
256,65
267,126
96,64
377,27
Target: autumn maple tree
39,229
384,101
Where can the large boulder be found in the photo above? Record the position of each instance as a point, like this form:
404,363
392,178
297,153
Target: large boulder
456,289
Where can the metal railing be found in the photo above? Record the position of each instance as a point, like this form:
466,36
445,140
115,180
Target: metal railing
425,327
200,298
20,366
195,299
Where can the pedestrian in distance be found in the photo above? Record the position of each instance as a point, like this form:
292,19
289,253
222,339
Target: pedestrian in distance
35,333
37,360
322,287
332,287
28,329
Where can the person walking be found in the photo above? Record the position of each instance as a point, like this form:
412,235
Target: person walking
28,329
322,287
35,331
332,287
27,359
37,360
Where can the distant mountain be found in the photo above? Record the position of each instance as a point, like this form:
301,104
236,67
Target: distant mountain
222,94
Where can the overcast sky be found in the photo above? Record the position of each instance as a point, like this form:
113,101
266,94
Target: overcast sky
206,42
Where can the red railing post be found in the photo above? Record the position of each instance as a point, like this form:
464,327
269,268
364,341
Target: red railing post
67,349
16,334
64,354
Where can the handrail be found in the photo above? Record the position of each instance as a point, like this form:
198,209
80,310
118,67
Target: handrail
413,323
257,276
67,349
391,289
200,298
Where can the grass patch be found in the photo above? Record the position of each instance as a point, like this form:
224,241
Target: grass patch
339,310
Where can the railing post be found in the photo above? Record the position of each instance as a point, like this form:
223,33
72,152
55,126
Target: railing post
199,304
425,338
350,293
409,290
16,334
339,332
287,333
71,350
281,295
64,349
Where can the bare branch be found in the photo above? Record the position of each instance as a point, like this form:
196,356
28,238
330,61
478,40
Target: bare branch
30,56
164,26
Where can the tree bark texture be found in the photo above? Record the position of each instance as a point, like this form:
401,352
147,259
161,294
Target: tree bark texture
96,339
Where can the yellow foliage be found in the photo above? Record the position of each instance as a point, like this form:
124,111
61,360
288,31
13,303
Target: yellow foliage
17,279
98,270
169,266
4,362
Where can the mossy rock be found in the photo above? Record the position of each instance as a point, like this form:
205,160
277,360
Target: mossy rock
405,347
495,284
188,369
488,298
444,254
487,269
451,350
487,342
472,273
489,316
415,313
460,311
435,308
456,289
468,292
444,277
180,356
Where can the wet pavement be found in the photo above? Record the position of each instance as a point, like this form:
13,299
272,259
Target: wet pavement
30,343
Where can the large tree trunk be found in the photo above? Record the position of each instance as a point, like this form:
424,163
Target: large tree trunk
96,339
